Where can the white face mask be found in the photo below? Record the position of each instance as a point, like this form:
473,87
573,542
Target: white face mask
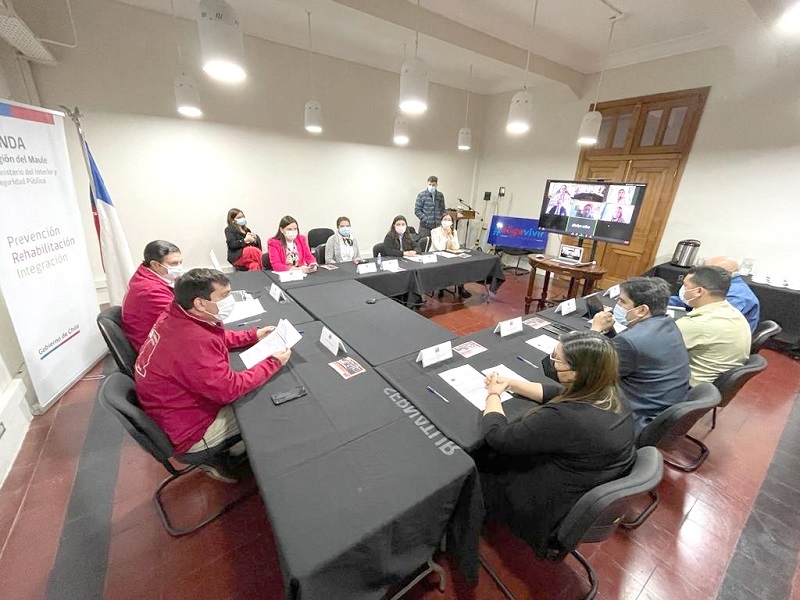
447,224
290,234
432,189
400,229
173,272
224,308
241,221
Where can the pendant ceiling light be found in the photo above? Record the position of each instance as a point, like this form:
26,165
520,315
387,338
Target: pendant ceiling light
401,131
519,112
593,120
312,113
414,81
465,133
221,41
187,98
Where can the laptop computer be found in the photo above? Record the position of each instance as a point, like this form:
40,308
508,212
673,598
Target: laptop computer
570,255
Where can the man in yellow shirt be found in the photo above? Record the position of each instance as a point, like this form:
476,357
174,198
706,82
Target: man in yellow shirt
716,334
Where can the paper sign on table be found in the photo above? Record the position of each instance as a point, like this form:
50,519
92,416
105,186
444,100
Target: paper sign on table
509,326
277,293
347,367
331,341
613,291
536,322
445,254
566,307
544,343
392,265
291,275
240,295
328,267
469,348
435,354
283,336
368,267
470,383
429,258
245,309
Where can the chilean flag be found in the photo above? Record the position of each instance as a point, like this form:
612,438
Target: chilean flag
114,251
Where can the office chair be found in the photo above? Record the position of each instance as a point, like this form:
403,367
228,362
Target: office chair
424,244
109,321
319,253
117,395
764,331
318,236
379,248
731,381
668,430
265,262
599,512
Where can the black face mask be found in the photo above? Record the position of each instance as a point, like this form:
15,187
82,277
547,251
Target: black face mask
549,369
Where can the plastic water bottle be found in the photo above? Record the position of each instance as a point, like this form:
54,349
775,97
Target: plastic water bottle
378,261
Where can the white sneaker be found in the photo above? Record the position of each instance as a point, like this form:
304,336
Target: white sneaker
215,473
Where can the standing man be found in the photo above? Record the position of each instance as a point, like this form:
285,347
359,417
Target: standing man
429,207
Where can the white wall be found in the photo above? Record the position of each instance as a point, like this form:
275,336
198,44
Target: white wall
175,179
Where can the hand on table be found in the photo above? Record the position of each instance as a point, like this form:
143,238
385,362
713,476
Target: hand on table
309,268
495,384
410,253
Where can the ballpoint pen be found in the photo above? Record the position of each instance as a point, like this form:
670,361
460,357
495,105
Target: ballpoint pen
243,323
527,362
433,391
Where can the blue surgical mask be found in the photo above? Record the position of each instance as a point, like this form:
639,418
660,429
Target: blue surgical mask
241,221
621,315
344,231
432,189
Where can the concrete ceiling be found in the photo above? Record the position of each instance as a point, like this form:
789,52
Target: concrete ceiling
568,42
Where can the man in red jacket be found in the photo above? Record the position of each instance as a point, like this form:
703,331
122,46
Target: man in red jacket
150,290
184,381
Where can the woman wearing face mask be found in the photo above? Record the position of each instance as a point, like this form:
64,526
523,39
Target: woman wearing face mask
445,237
289,250
341,246
398,241
581,436
150,290
244,246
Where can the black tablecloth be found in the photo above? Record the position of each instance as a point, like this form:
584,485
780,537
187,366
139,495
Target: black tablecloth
458,418
257,284
336,298
357,488
445,272
387,283
321,275
385,331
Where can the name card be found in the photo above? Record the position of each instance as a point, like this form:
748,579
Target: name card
509,326
277,293
566,307
293,275
613,291
429,258
369,267
331,341
393,266
435,354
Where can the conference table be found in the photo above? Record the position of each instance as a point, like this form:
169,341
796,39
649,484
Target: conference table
358,492
257,284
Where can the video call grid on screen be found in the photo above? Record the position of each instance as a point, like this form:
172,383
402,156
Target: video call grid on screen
601,211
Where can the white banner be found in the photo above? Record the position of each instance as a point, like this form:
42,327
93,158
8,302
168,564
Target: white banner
45,275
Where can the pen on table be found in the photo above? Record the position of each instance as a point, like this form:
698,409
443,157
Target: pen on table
250,322
433,391
527,362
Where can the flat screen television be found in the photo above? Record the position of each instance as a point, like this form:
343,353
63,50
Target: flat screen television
595,210
517,233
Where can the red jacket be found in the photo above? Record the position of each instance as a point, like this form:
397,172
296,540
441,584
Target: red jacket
147,297
277,253
183,376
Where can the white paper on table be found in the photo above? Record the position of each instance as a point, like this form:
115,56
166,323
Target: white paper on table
363,268
447,254
240,295
277,293
428,258
291,275
509,326
392,265
503,371
469,382
544,343
414,258
619,327
283,336
243,310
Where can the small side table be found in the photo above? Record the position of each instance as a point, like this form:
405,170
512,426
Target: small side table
589,273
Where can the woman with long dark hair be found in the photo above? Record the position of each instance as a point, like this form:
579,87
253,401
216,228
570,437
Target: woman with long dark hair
398,240
289,250
579,437
244,246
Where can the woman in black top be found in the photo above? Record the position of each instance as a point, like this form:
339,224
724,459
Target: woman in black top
580,437
398,240
244,246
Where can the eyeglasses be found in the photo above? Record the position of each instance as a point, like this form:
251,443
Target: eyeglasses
554,359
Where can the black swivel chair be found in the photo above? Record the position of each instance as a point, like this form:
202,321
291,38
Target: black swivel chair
319,253
109,321
600,511
265,263
318,236
731,381
117,395
379,248
424,244
668,430
764,331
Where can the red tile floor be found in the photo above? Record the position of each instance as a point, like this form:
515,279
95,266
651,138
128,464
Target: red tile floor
682,551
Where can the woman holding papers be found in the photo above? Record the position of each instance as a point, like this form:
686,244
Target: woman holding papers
341,246
580,437
244,246
289,250
398,240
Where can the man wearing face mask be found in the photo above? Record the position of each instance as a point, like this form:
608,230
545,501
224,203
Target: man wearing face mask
653,362
716,334
150,290
429,207
189,394
444,237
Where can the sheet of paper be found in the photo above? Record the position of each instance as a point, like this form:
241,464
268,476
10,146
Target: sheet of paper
283,336
469,382
536,322
544,343
243,310
347,367
470,348
414,258
503,371
445,254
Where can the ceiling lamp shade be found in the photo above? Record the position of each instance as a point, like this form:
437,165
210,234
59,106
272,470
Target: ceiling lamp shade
464,138
413,87
401,131
313,116
590,128
519,113
187,98
221,41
